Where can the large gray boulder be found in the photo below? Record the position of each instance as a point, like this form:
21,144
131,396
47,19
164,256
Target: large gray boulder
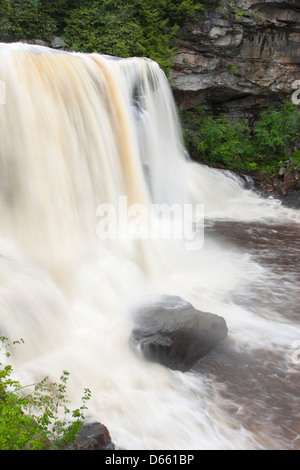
172,332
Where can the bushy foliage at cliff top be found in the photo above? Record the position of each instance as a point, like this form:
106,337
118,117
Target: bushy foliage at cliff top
274,138
117,27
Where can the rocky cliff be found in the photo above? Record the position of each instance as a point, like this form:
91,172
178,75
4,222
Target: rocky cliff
238,57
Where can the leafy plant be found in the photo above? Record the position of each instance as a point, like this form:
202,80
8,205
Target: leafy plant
276,132
220,140
226,142
32,421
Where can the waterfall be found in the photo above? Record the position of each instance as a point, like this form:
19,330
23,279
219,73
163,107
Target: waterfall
81,133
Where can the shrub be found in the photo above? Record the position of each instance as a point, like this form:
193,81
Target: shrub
220,140
226,142
31,421
276,132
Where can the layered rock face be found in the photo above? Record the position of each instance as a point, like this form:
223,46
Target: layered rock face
239,57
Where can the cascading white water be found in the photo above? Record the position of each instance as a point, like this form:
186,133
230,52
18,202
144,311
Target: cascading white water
78,131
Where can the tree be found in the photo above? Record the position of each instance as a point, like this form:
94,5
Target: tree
160,21
120,28
106,27
57,10
129,28
158,33
29,21
6,27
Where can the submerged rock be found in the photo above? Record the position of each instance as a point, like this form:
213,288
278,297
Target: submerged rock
172,332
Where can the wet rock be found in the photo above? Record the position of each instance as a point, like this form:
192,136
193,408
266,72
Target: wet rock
284,186
37,42
93,436
248,181
291,177
172,332
58,43
293,200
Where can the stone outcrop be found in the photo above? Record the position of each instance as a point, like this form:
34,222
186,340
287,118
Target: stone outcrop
93,436
239,57
55,43
58,43
172,332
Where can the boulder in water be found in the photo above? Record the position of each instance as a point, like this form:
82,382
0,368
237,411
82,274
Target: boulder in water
172,332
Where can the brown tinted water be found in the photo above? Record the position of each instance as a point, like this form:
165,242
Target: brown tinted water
260,388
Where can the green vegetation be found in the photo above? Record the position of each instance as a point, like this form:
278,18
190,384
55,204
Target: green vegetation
277,133
110,30
31,421
116,27
220,141
6,26
29,20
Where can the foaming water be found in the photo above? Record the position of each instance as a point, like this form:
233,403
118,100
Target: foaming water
78,131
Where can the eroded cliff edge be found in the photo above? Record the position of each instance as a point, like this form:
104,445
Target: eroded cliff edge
238,57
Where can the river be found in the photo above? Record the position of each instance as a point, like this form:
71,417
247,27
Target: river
80,136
